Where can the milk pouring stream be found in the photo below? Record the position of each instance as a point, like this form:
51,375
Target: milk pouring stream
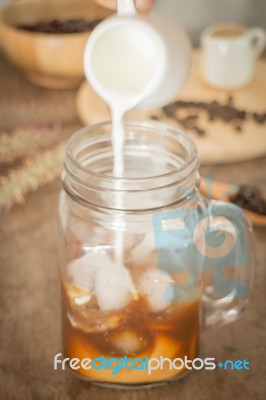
127,61
130,67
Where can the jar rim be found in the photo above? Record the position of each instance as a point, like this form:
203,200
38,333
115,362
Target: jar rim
188,166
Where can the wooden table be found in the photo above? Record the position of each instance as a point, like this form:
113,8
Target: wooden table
30,315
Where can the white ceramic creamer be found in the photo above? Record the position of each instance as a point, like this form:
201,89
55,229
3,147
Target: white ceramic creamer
147,57
229,54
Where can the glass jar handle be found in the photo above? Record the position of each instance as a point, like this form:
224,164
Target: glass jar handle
228,270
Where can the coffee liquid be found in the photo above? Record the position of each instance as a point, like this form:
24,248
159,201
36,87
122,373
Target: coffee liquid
229,32
133,332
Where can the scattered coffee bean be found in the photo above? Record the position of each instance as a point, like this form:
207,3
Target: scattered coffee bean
250,197
215,111
259,118
170,109
201,105
155,118
199,131
62,26
189,121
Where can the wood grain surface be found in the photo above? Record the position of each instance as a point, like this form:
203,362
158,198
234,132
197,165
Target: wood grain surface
30,333
222,142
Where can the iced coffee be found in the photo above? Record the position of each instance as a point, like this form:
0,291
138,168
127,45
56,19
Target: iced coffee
120,311
126,296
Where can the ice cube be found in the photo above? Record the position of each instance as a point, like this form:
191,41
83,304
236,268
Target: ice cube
145,250
129,342
152,285
81,300
77,296
81,271
84,315
114,287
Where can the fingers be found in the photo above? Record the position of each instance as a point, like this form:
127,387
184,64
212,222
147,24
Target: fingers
141,4
144,4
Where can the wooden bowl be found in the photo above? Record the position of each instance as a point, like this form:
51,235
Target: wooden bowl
49,60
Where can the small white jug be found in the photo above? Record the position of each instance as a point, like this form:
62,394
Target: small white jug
229,54
145,58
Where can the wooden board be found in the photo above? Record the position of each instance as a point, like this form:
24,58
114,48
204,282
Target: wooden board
221,143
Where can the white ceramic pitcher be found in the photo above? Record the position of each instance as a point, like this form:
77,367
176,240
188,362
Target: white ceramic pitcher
146,54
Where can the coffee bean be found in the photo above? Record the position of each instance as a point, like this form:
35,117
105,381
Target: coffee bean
170,110
57,26
249,197
215,111
201,105
259,118
199,131
189,121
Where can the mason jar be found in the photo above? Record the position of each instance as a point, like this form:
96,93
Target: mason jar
141,274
